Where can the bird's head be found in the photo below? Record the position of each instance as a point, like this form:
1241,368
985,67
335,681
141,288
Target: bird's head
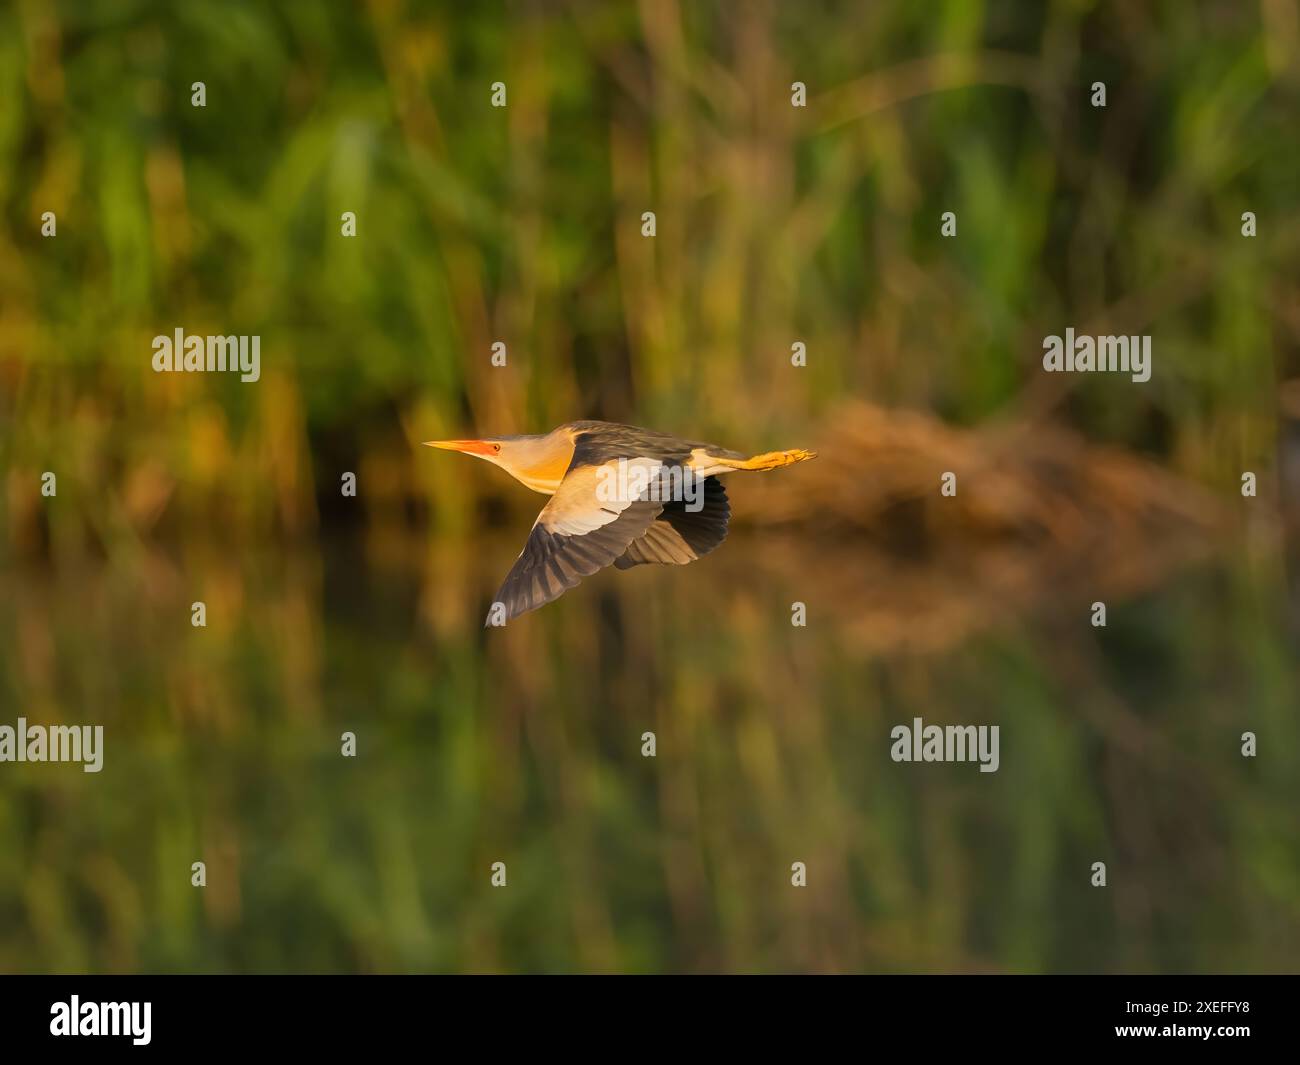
536,461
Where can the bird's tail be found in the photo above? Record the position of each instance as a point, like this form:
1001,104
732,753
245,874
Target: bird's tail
769,460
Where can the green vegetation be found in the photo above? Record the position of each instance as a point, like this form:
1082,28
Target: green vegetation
775,224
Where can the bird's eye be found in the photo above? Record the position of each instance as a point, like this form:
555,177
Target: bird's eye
496,448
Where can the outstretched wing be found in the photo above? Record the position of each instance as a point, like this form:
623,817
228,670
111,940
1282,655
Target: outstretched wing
681,535
587,525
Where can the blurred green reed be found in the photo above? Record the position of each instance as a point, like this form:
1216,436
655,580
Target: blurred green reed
774,224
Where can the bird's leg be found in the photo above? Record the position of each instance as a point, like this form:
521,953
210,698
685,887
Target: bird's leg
769,460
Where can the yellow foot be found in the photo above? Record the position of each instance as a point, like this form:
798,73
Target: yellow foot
770,460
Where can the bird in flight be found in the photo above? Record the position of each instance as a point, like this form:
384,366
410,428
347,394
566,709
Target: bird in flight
619,495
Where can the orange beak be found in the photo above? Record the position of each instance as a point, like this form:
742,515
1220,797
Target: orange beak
470,447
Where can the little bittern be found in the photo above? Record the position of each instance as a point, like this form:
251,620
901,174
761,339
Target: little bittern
619,495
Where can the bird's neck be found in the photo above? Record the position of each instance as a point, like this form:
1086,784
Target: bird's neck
543,464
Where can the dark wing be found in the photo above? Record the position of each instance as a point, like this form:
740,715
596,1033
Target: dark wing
585,526
598,442
680,535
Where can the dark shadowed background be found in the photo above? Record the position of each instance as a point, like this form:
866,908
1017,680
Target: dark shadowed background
775,224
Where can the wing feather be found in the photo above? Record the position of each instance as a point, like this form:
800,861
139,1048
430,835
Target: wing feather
586,526
679,536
